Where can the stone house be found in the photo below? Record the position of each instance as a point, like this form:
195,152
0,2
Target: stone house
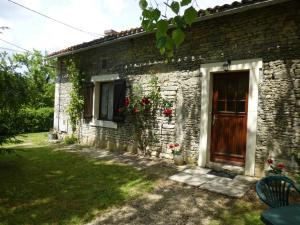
235,84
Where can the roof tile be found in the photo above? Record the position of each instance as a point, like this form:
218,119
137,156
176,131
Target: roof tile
132,31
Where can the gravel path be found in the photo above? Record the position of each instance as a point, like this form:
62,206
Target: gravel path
169,203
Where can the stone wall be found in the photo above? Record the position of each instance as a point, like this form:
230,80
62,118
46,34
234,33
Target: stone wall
279,114
270,33
183,89
62,100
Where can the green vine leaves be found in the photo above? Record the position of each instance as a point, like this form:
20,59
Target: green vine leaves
152,20
144,107
76,104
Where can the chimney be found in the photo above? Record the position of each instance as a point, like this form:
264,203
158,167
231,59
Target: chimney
110,32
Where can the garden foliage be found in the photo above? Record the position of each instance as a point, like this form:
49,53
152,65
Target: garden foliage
36,120
143,108
76,104
169,33
23,90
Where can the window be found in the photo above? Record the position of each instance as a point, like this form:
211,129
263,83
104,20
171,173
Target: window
108,97
106,101
231,92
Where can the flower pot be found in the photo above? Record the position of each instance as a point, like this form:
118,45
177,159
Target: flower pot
52,136
178,160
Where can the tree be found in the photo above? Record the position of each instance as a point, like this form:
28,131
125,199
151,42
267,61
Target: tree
169,33
39,72
23,85
13,95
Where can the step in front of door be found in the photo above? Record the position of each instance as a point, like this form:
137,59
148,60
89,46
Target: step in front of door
226,168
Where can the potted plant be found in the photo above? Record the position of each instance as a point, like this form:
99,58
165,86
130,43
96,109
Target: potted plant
52,135
275,169
177,154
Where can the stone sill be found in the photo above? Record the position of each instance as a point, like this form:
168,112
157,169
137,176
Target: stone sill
104,123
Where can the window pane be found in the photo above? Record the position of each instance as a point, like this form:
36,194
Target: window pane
106,102
110,102
240,106
230,106
221,92
242,90
231,88
103,101
221,106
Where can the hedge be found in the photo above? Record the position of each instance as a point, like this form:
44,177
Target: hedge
36,120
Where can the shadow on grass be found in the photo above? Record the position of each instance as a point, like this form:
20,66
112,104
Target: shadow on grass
240,212
182,204
40,186
16,141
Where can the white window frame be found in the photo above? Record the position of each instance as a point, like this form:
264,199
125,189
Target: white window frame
96,100
254,66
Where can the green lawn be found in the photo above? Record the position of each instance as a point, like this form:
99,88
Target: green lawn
39,185
241,213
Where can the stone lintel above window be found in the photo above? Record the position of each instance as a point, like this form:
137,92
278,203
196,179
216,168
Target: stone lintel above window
105,78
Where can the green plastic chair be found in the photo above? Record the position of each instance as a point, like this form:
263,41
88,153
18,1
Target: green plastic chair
275,190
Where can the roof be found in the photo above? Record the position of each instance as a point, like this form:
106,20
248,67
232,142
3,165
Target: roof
208,13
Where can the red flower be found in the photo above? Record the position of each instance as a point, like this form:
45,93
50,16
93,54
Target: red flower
136,110
119,110
270,161
145,101
280,165
127,102
176,145
167,112
171,146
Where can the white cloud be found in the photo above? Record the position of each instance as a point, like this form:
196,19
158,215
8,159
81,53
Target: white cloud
211,3
6,34
34,31
115,6
30,30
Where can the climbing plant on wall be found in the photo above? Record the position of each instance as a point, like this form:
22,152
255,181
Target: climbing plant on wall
144,108
76,104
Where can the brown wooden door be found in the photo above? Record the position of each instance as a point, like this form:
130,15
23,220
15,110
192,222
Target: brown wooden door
229,117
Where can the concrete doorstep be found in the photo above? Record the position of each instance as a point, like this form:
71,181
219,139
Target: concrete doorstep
201,177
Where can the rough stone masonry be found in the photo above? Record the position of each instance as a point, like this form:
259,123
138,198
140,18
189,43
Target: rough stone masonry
270,33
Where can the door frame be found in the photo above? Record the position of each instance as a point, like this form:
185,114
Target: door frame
254,66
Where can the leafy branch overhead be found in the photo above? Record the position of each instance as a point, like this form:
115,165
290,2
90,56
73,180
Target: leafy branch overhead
153,19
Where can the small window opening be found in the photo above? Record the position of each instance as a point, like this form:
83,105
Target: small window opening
104,64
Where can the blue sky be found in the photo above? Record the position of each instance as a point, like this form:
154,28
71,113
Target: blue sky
32,31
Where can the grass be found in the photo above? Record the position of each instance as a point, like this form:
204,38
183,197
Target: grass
41,185
242,213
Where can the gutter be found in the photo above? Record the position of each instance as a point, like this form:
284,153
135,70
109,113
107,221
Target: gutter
242,9
199,19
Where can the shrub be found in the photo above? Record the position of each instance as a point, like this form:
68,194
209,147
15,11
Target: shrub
9,126
36,120
69,140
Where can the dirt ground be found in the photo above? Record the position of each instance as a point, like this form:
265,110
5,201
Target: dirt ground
169,202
